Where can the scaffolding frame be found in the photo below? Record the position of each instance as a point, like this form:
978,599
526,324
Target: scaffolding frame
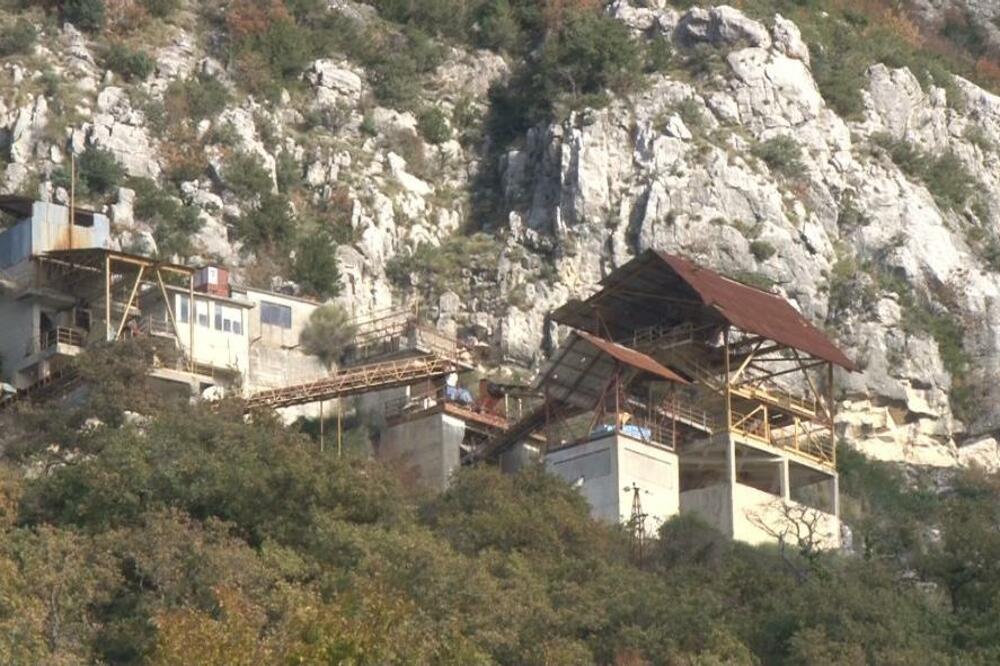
118,274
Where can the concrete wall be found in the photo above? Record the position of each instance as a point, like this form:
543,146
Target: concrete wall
593,468
212,347
756,510
48,228
425,450
18,329
753,516
711,504
604,468
277,337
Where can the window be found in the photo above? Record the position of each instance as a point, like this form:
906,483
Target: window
275,314
183,309
81,318
228,319
201,309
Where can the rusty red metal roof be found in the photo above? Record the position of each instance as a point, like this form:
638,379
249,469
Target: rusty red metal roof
632,358
757,311
657,289
581,369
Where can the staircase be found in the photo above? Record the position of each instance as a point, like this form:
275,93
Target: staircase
56,384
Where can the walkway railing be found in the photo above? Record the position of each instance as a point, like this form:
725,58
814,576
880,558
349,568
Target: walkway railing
62,336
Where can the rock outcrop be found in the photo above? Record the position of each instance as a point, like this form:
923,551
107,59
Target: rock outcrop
675,166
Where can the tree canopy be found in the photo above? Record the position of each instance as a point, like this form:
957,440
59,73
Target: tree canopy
194,536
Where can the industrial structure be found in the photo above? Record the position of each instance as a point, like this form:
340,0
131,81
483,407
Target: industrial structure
65,288
676,389
710,396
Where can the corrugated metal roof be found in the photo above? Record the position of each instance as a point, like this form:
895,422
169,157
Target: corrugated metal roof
582,368
657,288
757,311
632,358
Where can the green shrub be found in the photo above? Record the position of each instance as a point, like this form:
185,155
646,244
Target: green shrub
269,225
196,98
17,38
288,172
173,222
328,334
85,14
690,112
978,137
782,154
433,125
659,54
591,54
945,176
315,267
98,170
161,8
433,269
246,176
129,64
754,279
762,250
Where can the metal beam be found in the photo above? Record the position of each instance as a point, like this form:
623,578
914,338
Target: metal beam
131,299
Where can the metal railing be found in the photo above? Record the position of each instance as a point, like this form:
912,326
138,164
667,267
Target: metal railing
151,325
397,336
62,336
439,395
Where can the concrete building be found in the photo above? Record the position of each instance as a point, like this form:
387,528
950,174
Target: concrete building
64,288
740,435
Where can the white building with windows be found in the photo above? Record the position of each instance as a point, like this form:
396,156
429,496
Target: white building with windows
249,335
275,330
63,288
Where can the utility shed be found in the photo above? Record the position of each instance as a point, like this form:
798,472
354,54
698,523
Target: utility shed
43,226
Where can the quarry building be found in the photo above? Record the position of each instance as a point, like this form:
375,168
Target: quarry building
675,390
63,288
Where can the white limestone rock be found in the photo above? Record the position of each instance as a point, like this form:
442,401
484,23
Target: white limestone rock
335,82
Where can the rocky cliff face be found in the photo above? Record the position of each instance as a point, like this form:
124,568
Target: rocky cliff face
881,227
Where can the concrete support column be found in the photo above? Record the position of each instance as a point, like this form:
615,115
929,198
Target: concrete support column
786,493
731,459
836,496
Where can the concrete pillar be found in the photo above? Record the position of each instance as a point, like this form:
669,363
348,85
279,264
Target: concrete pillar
786,492
731,456
836,495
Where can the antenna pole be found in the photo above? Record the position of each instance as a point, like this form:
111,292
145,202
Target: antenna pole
321,433
72,196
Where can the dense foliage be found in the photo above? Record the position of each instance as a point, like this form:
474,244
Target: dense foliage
195,537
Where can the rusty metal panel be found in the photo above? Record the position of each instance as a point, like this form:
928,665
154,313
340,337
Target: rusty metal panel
757,311
632,358
655,287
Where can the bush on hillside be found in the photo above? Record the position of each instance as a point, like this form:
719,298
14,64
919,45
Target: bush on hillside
197,98
315,267
97,173
84,14
945,175
246,176
161,8
328,333
174,222
17,38
268,225
129,64
781,154
433,125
